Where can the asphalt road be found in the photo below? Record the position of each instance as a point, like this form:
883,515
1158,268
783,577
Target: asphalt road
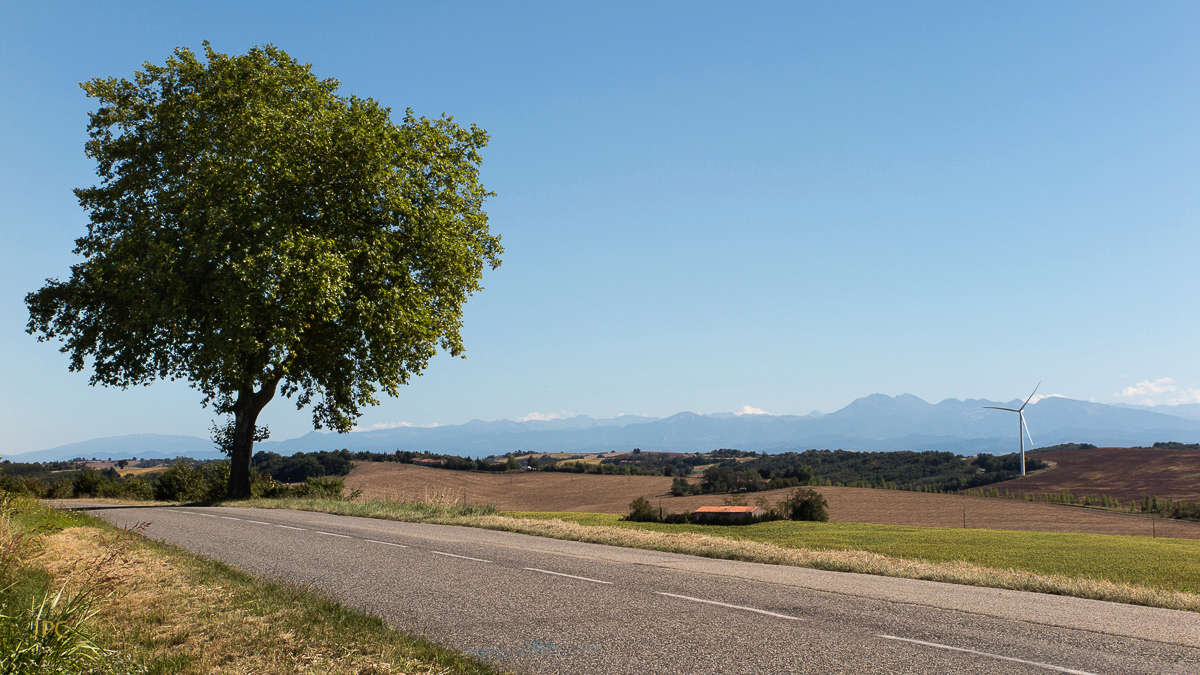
547,606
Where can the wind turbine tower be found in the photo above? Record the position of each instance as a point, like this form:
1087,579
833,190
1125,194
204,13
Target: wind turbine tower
1023,429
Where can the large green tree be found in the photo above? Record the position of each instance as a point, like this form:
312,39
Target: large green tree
254,231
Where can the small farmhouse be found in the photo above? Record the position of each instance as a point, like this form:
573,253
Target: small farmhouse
728,514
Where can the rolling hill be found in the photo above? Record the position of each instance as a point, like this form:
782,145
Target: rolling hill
1125,474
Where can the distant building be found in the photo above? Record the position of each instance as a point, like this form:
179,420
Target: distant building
729,514
429,462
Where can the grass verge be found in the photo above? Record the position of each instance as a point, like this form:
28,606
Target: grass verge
1135,570
160,609
1165,564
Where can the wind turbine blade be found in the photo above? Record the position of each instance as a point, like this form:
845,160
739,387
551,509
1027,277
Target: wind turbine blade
1030,396
992,407
1025,426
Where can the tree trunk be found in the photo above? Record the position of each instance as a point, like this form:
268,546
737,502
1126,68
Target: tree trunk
245,417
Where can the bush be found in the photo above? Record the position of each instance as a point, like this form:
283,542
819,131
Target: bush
61,489
682,486
185,482
268,488
179,483
324,487
805,504
87,483
136,488
20,485
640,510
214,480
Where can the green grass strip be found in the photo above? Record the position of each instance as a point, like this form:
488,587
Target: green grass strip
1168,564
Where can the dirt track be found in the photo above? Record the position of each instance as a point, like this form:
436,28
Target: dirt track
1123,473
536,491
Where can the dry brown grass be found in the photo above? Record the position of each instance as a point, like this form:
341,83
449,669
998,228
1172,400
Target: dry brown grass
551,491
143,471
516,491
189,616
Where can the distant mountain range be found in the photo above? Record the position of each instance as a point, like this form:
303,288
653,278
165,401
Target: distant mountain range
875,422
148,446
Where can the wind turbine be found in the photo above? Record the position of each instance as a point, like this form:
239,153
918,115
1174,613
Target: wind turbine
1023,427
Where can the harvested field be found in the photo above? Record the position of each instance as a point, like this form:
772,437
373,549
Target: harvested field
143,471
511,491
1126,474
536,491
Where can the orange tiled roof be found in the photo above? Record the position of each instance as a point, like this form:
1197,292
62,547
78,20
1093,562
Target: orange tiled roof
726,509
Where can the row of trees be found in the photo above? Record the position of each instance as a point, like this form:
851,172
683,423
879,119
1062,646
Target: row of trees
184,479
921,471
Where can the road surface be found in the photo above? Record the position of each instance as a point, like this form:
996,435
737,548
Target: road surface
539,605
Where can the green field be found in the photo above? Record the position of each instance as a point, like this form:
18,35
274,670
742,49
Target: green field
1169,564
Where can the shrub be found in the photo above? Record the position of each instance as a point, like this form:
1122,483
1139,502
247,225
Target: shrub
214,481
640,510
323,487
805,504
679,487
61,489
185,482
269,488
179,483
87,483
136,488
110,488
19,485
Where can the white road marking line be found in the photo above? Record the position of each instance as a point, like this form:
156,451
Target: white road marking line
176,511
455,555
289,527
230,518
936,645
256,522
332,534
570,576
385,543
206,515
725,604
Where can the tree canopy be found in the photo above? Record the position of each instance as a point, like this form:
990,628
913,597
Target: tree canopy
255,230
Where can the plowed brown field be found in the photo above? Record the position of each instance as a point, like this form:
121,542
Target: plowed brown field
1123,473
537,491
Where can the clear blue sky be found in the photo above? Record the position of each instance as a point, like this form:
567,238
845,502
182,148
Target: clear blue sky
705,206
